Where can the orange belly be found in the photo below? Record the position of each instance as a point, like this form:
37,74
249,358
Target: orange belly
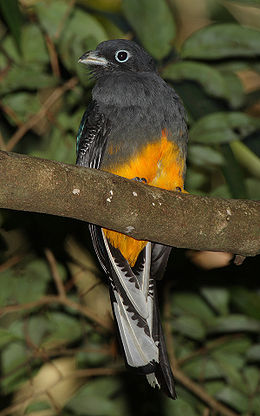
162,165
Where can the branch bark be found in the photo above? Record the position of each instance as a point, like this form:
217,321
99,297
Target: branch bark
140,211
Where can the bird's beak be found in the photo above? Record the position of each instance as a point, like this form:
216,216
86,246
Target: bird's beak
92,58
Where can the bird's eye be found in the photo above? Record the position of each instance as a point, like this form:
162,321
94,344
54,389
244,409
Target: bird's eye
122,56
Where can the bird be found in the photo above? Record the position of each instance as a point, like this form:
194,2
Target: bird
134,127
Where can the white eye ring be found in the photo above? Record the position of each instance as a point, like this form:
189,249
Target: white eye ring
124,54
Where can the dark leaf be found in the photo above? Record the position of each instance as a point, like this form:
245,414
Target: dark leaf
217,297
11,12
221,41
36,407
154,25
189,326
253,3
218,84
223,127
95,399
233,173
234,398
234,323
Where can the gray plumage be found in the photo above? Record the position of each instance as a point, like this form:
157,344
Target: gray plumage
131,106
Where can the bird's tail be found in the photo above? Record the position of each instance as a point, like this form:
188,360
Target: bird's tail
163,373
135,306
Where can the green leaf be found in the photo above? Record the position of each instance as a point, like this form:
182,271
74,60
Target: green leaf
178,408
17,328
222,85
191,304
253,188
223,127
95,399
93,358
31,284
229,358
253,354
204,156
246,158
233,345
232,375
189,326
63,329
187,396
221,191
112,30
6,336
27,76
213,387
195,179
202,368
13,356
196,101
57,147
221,41
230,365
24,285
6,287
38,327
36,407
234,323
234,91
233,398
246,301
217,297
184,346
52,16
34,48
233,173
253,3
10,51
81,33
256,404
209,78
12,15
252,378
153,23
232,66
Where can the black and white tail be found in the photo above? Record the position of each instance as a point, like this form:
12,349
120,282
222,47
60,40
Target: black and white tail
134,300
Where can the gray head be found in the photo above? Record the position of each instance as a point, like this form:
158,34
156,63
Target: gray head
118,55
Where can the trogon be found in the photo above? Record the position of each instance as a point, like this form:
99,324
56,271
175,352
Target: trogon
134,127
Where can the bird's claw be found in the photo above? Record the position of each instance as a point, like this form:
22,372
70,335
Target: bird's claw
143,180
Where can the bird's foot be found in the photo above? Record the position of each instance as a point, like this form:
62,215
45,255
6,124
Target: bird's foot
179,189
143,180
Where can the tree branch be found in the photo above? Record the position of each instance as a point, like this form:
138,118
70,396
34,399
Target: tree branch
140,211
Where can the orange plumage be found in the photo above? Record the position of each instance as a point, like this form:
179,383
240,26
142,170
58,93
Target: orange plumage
161,164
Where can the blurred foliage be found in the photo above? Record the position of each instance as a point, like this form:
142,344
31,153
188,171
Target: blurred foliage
55,359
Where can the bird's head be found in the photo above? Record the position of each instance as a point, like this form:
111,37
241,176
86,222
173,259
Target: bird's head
118,55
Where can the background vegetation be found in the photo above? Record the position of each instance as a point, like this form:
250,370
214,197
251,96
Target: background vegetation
59,353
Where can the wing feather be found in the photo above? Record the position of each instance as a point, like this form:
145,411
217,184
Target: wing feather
92,137
127,280
132,308
139,348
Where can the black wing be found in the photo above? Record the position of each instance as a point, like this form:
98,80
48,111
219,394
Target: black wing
160,256
92,137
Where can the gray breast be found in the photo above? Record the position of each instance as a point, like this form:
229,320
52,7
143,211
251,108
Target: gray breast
139,106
